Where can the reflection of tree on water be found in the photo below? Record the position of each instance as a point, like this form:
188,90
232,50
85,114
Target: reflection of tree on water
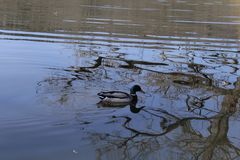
160,130
217,145
214,146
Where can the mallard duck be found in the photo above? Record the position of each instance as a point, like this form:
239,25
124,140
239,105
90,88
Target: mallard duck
119,98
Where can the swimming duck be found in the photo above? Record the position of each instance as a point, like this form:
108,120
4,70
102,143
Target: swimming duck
119,98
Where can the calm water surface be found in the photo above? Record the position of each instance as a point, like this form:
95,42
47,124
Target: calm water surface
56,55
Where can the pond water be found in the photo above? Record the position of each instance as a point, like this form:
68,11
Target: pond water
57,55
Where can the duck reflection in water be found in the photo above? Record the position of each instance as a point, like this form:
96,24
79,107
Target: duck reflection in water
133,104
121,99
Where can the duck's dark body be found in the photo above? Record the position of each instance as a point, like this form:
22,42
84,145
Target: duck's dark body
119,98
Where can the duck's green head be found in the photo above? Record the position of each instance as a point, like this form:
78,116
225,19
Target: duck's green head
136,88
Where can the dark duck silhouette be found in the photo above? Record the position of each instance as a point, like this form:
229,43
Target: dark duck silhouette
119,98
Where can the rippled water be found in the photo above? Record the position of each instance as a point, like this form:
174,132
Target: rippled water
57,55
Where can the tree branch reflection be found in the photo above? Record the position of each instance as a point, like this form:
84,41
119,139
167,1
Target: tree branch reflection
155,128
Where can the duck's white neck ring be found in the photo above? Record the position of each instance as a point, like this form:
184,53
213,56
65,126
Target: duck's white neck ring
133,94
